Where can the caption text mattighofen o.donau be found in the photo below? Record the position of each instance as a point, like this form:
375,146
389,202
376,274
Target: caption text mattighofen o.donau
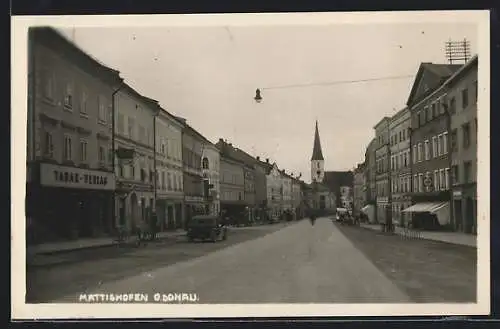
172,297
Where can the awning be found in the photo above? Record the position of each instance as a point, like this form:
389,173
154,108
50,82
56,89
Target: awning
426,207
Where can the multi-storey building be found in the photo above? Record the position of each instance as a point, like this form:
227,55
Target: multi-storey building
296,197
430,125
232,186
211,169
462,103
286,190
169,187
193,144
261,170
70,181
135,175
274,191
370,172
382,178
249,162
359,195
399,127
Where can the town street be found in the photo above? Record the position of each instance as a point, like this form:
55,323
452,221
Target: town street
297,264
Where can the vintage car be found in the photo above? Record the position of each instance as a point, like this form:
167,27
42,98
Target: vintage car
206,227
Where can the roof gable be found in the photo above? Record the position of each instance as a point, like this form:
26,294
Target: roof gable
429,77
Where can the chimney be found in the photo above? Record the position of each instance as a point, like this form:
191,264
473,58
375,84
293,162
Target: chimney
258,158
221,141
267,160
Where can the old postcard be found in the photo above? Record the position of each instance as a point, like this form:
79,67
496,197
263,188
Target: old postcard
317,164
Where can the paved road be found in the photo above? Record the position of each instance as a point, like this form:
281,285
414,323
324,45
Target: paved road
298,264
77,271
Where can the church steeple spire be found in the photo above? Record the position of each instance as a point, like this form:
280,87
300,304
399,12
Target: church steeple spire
317,153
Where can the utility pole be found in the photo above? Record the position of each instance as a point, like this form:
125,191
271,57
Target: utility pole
457,51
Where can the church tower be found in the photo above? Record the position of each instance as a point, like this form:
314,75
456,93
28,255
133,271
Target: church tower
317,160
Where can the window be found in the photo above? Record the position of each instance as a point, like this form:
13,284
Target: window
420,182
468,172
83,103
132,170
205,163
455,175
435,181
162,180
48,147
102,109
434,146
446,179
445,142
466,135
400,163
83,150
427,151
142,135
454,140
465,98
120,170
453,105
435,107
440,143
49,84
430,111
102,154
419,152
415,183
169,182
68,97
68,152
131,124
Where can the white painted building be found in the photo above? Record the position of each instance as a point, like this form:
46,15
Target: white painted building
211,172
135,178
169,189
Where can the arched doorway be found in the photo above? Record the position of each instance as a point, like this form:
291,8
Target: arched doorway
133,210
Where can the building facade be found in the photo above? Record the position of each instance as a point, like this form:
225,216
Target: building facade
400,165
211,172
359,195
70,181
169,172
193,144
371,172
430,124
134,128
274,191
462,102
286,188
232,188
296,198
382,174
261,171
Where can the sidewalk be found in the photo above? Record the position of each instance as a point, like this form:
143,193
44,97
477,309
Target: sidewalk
448,237
58,247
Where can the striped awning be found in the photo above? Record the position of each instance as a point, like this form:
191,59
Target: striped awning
431,207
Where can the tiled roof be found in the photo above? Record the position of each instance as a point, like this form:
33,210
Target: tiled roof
335,179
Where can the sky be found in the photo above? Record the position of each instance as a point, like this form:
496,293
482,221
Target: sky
209,75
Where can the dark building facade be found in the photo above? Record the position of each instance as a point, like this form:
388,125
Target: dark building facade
70,179
430,125
195,199
462,99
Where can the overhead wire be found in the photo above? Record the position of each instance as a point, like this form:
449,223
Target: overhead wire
338,82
